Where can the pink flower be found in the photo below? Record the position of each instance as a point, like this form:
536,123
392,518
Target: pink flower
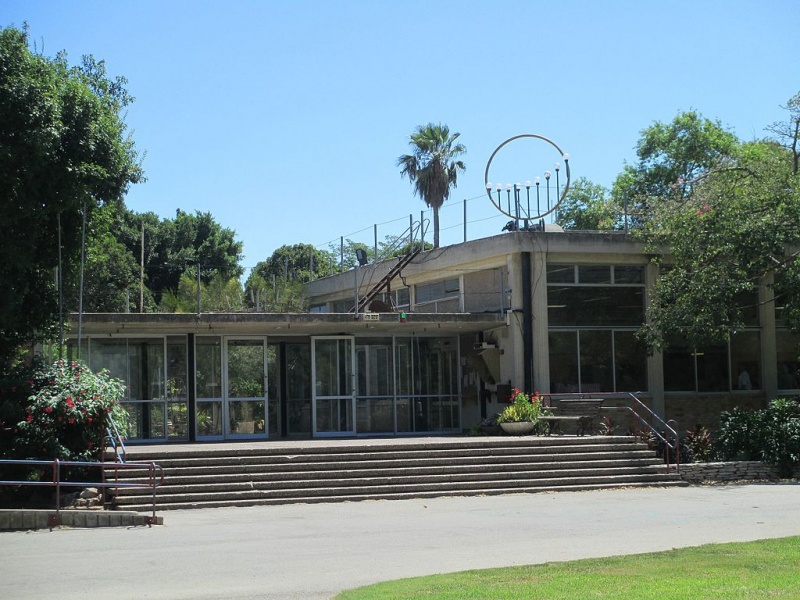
48,409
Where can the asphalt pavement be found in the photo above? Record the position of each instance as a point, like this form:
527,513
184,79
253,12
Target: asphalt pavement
313,551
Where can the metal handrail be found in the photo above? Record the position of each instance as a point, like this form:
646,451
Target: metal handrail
673,446
116,441
155,478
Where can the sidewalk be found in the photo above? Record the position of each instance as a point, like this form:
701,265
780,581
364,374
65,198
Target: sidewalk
312,552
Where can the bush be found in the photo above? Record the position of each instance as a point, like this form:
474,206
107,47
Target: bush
66,415
771,435
699,445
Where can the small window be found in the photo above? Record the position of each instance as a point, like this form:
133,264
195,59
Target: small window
560,274
623,275
437,291
594,274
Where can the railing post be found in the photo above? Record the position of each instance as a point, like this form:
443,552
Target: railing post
57,478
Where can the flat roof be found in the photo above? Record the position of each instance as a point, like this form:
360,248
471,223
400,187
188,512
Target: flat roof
251,323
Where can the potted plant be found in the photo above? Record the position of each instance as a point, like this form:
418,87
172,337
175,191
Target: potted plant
521,416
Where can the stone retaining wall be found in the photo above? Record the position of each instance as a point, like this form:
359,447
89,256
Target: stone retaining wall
729,471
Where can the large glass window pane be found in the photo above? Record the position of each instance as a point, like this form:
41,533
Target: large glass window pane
575,306
333,367
298,387
209,366
788,351
596,366
177,399
563,361
679,374
630,362
712,368
146,369
245,369
746,361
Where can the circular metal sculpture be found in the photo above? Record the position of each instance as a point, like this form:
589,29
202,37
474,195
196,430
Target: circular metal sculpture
522,210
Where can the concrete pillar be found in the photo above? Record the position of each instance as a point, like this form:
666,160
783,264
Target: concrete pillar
655,363
541,344
769,341
515,371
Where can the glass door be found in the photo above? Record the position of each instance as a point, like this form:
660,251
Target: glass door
333,369
246,389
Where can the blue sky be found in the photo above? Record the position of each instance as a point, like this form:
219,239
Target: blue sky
285,119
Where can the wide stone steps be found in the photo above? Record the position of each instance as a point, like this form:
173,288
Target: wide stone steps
242,475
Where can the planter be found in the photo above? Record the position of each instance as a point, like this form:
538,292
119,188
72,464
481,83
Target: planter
522,428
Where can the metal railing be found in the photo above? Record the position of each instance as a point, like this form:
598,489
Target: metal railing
115,440
155,478
669,438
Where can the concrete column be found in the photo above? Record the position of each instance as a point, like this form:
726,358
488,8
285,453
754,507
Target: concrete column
515,371
541,343
655,363
769,341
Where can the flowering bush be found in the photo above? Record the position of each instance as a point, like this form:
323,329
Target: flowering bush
66,415
523,408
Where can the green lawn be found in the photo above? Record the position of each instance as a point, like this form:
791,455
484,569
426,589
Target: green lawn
763,569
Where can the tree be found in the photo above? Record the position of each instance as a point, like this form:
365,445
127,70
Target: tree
173,247
64,151
276,285
788,131
672,157
433,167
587,207
740,227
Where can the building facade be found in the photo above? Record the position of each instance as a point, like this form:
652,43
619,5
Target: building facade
439,349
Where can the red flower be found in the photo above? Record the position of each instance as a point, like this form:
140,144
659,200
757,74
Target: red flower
30,418
70,403
71,420
48,409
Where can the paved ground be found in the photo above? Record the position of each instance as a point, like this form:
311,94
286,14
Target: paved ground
314,551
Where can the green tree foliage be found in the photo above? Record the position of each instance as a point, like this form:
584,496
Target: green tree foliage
433,166
219,295
587,206
63,147
276,284
672,157
739,225
173,247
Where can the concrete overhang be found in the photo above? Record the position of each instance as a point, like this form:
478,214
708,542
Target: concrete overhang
286,324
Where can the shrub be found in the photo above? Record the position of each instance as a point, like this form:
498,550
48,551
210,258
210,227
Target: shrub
771,435
699,445
66,415
741,434
523,408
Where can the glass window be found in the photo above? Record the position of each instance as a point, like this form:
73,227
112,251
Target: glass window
563,361
628,275
437,291
209,366
560,274
696,370
630,362
596,361
788,350
594,274
746,361
586,306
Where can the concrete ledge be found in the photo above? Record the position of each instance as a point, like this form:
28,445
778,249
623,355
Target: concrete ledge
729,471
24,519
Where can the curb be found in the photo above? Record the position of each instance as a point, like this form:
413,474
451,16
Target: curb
25,519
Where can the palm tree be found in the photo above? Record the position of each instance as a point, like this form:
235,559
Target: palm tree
433,166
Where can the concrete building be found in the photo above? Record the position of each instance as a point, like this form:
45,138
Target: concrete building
451,332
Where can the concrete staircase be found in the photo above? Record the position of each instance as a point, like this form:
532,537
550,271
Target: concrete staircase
200,476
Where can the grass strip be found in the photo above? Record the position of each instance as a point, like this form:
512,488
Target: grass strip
761,569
